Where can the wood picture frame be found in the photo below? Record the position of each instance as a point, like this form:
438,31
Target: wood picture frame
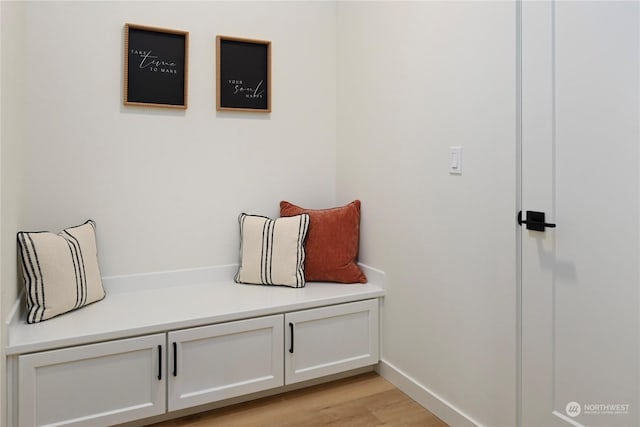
155,67
243,74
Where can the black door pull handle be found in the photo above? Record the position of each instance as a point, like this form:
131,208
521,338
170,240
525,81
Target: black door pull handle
159,363
291,328
535,221
175,360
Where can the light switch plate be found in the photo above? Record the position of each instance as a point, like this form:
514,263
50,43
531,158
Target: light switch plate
455,160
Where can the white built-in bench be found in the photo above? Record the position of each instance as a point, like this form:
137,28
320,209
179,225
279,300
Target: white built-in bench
159,343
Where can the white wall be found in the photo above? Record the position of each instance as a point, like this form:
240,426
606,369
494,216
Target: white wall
11,161
165,187
413,79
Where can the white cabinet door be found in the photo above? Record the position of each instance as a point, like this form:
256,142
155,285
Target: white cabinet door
217,362
93,385
329,340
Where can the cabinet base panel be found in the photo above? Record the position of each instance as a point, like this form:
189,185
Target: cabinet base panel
246,398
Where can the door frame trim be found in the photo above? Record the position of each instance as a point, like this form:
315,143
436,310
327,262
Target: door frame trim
518,208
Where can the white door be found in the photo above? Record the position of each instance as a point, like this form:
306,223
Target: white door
328,340
93,385
217,362
580,299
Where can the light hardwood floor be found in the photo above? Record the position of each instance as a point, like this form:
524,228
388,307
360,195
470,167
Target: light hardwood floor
362,401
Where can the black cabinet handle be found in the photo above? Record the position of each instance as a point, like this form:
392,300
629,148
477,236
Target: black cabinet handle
175,360
159,363
291,328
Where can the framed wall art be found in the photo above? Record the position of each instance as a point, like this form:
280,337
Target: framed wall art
243,74
155,67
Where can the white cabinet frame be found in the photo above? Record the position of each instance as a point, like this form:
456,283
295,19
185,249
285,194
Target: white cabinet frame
96,367
129,379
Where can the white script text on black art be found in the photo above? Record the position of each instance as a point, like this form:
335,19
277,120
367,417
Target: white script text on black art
248,92
152,63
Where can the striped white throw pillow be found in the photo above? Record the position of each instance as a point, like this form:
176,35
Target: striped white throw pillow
60,271
272,250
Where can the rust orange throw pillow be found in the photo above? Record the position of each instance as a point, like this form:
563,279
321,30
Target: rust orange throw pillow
332,243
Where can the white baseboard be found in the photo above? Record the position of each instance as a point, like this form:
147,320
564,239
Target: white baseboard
425,397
